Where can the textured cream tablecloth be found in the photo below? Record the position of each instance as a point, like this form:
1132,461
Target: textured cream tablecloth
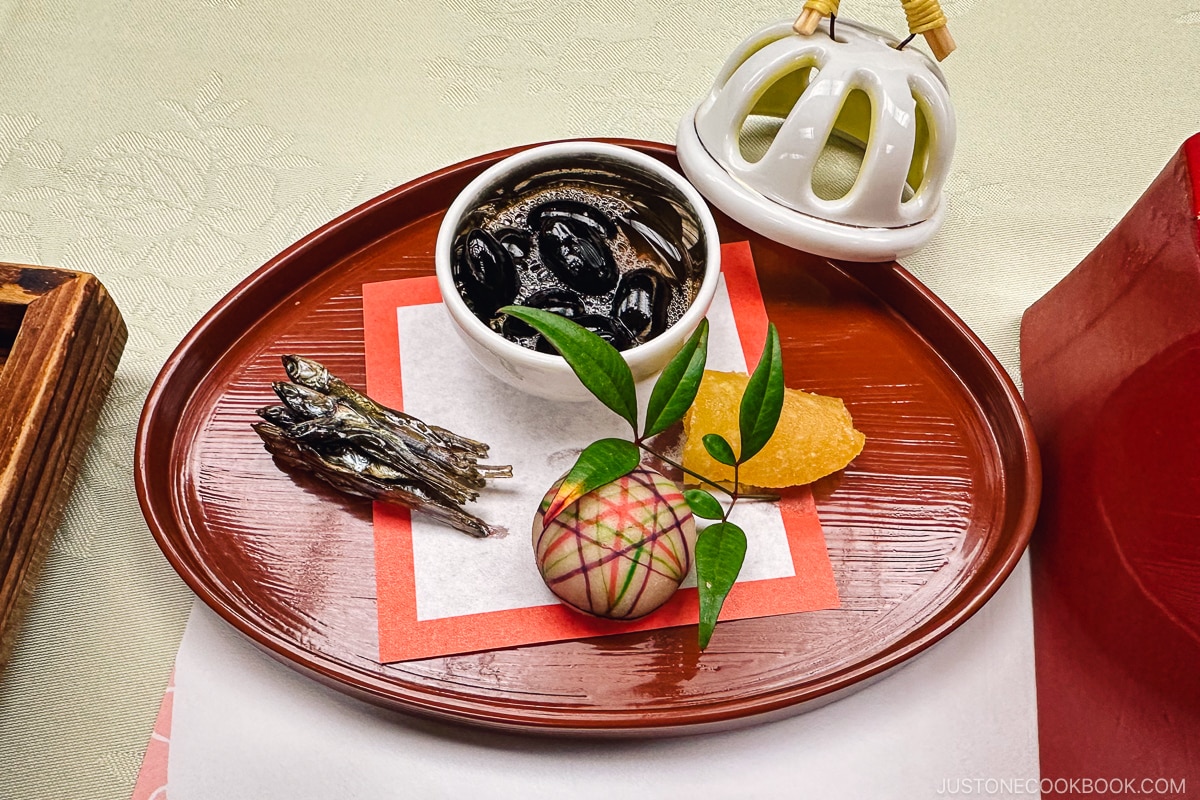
172,146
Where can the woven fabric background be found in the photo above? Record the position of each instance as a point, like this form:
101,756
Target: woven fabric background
173,146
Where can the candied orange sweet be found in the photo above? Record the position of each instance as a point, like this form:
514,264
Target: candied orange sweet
815,435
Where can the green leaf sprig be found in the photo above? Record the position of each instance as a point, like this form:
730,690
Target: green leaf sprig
721,547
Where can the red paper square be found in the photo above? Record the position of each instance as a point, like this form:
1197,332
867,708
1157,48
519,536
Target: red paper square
402,636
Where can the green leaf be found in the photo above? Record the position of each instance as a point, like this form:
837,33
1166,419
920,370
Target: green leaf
720,551
601,462
675,390
596,363
719,449
703,504
763,399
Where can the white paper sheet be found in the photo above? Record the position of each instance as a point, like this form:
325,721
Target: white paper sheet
248,727
541,439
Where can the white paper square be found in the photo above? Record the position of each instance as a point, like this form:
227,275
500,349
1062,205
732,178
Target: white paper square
541,439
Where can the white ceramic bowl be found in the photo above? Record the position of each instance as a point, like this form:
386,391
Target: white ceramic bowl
540,373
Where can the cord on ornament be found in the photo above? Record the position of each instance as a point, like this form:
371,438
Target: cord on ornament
924,17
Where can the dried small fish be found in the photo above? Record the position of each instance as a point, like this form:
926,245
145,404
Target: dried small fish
363,448
280,416
441,450
326,432
344,470
313,375
304,402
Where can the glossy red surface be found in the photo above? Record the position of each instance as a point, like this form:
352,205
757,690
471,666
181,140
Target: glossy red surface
922,528
1111,364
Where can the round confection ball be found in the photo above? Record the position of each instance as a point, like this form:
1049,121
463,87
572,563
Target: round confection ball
621,550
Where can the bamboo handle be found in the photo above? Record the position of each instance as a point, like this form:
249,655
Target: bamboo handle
926,17
806,24
940,42
814,11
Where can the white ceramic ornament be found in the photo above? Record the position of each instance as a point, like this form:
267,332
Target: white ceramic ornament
904,125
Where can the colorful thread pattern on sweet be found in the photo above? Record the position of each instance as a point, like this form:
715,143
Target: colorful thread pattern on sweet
618,549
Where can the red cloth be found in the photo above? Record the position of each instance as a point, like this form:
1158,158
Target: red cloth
1111,364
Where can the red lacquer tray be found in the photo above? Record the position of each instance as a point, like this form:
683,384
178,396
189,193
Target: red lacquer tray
922,528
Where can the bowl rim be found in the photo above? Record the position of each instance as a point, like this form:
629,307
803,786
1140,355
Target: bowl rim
555,153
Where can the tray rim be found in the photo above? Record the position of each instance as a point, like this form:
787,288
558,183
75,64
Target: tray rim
463,708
